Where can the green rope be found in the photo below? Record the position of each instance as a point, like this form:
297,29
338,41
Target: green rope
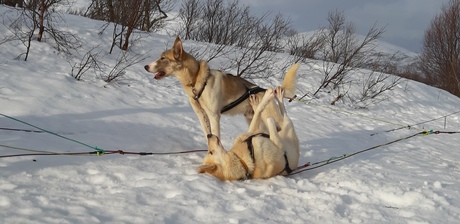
400,126
107,152
344,156
44,153
98,150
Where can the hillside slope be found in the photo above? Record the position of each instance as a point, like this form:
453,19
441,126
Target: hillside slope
411,181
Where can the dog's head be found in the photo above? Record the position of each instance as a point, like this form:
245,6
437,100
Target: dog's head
172,61
214,159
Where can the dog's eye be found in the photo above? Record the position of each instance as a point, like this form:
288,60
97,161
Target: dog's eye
210,152
162,58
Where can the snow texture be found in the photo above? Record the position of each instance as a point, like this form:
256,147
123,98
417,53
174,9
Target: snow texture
412,181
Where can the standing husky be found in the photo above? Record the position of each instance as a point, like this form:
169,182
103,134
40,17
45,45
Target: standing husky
256,154
212,92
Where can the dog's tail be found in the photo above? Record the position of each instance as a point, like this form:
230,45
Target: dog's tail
289,81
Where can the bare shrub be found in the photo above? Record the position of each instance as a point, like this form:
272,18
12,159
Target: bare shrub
13,3
440,57
22,27
124,60
210,51
374,87
27,20
248,42
189,14
219,23
303,47
90,60
344,51
128,15
257,58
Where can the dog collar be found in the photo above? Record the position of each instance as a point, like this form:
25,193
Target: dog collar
198,95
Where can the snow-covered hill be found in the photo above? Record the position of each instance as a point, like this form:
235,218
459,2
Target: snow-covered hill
411,181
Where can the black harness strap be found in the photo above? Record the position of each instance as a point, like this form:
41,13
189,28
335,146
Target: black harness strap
198,95
251,152
287,168
251,148
245,96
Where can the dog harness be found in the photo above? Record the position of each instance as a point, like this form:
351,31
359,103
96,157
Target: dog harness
249,91
253,90
286,167
251,153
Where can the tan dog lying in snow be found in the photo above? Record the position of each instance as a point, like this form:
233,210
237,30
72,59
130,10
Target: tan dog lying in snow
255,154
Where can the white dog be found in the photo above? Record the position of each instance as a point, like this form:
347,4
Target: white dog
255,154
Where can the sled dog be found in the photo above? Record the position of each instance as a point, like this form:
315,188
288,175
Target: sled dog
213,92
256,154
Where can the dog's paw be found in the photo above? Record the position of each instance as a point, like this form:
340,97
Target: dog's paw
253,101
269,95
279,92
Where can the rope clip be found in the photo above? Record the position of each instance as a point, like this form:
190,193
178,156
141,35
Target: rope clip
427,132
99,151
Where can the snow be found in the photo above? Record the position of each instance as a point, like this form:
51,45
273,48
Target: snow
411,181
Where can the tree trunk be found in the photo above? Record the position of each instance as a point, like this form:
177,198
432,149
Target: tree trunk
146,24
41,18
128,34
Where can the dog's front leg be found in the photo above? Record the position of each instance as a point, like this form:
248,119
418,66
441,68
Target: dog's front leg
254,124
202,117
258,107
214,119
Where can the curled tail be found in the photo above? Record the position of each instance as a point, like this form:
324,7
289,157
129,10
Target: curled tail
289,81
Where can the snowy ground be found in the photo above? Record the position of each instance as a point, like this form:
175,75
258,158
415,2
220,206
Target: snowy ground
412,181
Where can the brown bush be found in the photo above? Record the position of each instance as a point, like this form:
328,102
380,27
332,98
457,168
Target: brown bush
440,56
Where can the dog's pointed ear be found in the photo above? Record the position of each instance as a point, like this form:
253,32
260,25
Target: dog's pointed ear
178,50
208,168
